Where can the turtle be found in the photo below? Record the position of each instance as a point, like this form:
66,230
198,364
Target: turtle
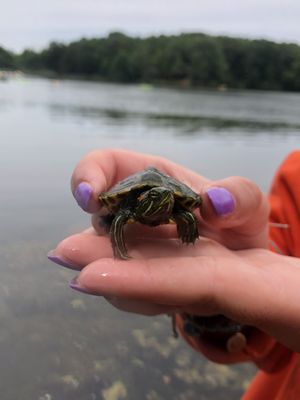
152,198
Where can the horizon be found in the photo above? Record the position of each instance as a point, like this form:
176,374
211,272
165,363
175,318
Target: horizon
137,36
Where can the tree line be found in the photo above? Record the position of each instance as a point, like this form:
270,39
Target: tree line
187,59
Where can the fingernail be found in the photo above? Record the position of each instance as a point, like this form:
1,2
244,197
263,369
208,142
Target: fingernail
75,285
221,200
60,261
236,343
83,194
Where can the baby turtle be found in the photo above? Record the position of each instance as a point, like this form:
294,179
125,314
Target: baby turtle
151,198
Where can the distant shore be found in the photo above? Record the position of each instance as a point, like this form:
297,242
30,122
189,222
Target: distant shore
186,61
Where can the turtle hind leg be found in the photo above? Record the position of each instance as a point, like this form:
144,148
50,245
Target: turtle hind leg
117,235
187,226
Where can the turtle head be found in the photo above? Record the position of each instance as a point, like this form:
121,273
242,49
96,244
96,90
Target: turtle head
155,206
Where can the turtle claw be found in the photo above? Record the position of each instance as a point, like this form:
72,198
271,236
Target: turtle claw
121,254
117,235
187,227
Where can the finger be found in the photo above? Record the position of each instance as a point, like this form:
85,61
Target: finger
157,281
76,251
140,307
210,349
82,249
205,285
101,169
235,203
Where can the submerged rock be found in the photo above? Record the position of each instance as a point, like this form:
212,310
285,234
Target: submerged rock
117,391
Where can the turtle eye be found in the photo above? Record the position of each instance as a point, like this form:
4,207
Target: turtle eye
153,195
146,195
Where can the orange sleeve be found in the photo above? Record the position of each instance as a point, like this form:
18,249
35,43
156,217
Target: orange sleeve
285,206
262,349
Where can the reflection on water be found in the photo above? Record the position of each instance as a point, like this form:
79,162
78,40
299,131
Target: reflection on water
183,124
56,344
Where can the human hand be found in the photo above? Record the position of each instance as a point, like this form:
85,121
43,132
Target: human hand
229,204
216,275
255,287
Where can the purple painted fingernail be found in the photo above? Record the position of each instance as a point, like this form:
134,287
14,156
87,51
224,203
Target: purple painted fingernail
83,194
221,200
76,286
60,261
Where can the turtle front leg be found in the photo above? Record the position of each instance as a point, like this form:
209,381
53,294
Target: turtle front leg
187,226
117,234
105,222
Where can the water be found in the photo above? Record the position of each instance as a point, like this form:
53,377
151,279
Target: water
56,344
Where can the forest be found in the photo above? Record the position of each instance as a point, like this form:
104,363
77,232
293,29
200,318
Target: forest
189,60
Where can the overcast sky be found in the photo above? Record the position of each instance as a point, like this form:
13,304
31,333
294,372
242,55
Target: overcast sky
34,23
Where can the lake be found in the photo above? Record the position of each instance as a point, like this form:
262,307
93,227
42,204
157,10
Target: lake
56,344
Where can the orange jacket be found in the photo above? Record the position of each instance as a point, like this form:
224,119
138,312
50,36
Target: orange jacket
279,375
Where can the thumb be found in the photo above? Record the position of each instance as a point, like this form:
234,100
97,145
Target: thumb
235,203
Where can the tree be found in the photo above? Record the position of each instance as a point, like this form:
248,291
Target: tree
7,59
200,59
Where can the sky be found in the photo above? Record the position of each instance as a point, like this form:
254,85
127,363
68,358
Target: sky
35,23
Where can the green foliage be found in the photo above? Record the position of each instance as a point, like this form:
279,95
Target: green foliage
190,59
30,61
7,60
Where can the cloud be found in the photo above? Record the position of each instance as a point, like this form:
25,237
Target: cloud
36,23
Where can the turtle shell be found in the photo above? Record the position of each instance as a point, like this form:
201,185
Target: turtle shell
147,179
